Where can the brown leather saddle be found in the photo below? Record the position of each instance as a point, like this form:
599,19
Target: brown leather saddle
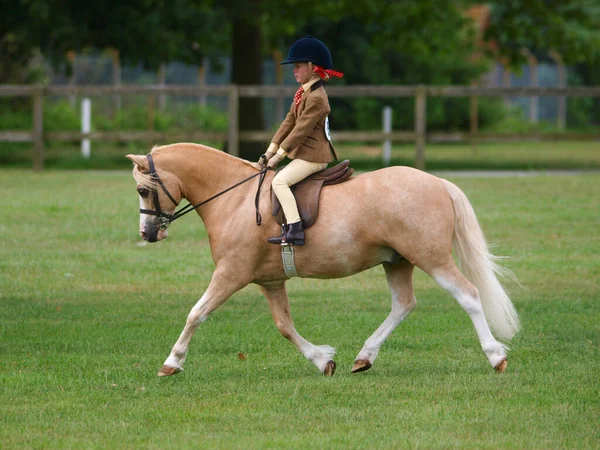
308,191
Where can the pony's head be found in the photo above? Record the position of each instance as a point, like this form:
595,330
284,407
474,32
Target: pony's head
159,193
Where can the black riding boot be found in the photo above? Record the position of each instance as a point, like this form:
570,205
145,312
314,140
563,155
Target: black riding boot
278,239
295,234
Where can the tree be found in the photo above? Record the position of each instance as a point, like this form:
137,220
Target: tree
246,67
25,27
430,41
570,27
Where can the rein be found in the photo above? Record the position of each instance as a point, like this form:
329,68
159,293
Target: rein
167,219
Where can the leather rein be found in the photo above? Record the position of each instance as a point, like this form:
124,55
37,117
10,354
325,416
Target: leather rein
166,219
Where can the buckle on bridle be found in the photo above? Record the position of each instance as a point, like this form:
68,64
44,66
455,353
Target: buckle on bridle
163,222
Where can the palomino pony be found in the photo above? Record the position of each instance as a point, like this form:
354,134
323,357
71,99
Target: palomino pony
399,217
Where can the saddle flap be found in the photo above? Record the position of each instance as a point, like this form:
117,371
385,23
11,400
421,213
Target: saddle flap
307,192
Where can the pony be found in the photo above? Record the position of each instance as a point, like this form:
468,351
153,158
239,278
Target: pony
398,217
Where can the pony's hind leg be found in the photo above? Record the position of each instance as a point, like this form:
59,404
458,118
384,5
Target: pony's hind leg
467,295
399,278
320,355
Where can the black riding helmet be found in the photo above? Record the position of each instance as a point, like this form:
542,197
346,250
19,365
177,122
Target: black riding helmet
309,49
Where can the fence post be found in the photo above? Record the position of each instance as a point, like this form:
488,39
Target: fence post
86,127
387,128
150,103
116,81
202,82
561,115
473,114
420,125
279,105
72,79
162,81
506,82
233,143
38,129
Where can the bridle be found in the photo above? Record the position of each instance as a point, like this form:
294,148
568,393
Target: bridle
166,219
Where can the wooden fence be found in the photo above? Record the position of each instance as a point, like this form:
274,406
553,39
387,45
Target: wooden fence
233,136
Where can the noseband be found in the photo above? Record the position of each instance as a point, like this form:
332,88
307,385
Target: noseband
166,219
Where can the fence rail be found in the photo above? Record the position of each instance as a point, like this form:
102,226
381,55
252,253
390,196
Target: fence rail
233,135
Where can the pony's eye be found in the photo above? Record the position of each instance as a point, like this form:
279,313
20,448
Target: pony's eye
143,192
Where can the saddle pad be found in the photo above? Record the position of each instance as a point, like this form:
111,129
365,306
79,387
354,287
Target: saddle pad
308,191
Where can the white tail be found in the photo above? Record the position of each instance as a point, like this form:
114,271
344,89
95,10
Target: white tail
479,266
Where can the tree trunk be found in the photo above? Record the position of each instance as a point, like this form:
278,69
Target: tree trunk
246,70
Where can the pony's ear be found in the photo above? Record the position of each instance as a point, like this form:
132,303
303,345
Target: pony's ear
140,160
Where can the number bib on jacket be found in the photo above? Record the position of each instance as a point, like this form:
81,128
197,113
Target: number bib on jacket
327,129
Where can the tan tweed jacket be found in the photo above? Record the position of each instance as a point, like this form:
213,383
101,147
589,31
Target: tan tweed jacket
302,133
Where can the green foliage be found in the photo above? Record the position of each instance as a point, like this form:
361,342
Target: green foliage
204,118
153,31
570,27
174,118
15,115
135,118
370,50
399,42
443,114
60,116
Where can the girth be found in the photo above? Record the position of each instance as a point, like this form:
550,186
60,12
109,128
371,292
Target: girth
307,192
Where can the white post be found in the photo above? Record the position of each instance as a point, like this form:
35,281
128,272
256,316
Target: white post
533,82
387,128
86,126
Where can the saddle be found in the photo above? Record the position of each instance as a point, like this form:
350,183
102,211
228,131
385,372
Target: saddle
308,191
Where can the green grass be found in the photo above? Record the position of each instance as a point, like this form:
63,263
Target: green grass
506,156
496,156
88,316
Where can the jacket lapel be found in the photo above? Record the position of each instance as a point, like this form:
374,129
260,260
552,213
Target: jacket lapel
305,95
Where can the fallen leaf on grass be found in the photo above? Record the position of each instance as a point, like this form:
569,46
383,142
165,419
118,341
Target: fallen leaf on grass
241,356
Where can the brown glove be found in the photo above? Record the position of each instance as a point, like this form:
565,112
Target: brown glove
276,159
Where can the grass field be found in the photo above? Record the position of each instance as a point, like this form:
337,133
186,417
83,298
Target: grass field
497,156
488,156
88,315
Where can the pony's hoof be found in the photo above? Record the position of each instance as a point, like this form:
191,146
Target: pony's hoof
329,368
360,365
167,371
501,366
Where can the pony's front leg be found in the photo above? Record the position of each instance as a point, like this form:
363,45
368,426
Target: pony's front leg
221,287
319,355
